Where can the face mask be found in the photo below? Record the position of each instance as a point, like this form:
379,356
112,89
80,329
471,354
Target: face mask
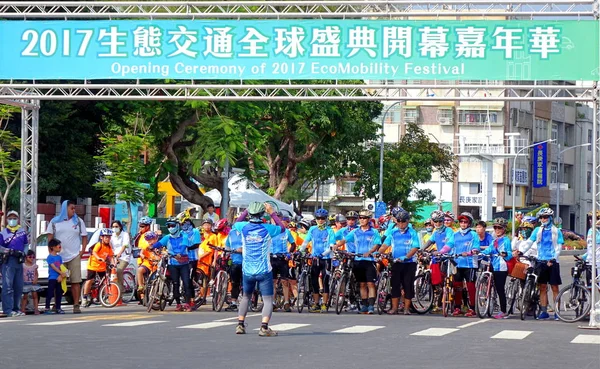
545,222
173,230
429,229
116,230
185,227
13,222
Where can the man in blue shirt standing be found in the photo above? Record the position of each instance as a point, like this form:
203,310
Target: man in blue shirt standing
13,240
256,265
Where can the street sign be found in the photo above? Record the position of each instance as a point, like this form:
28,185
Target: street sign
563,186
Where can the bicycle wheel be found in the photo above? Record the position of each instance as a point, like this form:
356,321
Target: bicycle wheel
222,283
447,300
150,294
423,300
256,303
482,297
526,298
384,300
166,289
512,293
340,294
109,294
573,303
332,287
301,287
129,287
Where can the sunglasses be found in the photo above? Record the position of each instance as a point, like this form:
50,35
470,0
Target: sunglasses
364,218
438,221
544,217
463,221
448,220
144,225
403,221
321,218
498,227
171,225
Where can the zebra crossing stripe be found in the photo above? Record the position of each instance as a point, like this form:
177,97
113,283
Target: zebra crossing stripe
59,322
208,325
512,335
135,323
285,327
435,332
359,329
587,338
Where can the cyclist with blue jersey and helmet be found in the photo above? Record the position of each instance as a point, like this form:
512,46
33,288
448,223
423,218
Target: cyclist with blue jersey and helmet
322,238
501,252
404,242
441,234
549,240
234,243
464,242
364,241
351,218
279,262
257,240
194,240
179,266
340,222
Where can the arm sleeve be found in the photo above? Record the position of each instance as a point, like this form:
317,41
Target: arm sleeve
526,245
416,242
242,216
339,235
50,228
278,222
290,238
559,243
82,226
488,250
377,239
387,239
475,245
306,240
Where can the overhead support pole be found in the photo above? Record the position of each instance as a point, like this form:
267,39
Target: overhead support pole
29,167
487,184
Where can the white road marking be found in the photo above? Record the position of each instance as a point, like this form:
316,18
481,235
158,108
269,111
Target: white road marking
207,325
135,323
60,322
235,317
435,332
285,327
512,335
9,320
359,329
587,338
473,323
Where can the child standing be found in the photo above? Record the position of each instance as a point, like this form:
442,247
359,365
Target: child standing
30,282
55,276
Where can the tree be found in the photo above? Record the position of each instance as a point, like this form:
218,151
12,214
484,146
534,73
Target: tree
10,164
406,164
125,173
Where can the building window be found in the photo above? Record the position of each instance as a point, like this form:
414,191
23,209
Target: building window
554,132
474,188
477,117
589,182
590,135
393,115
347,187
553,173
411,115
541,130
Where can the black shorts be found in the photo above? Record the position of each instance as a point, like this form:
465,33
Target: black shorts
91,274
403,278
465,275
549,275
280,268
364,271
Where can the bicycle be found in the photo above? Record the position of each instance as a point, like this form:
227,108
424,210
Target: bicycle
424,296
530,298
221,281
303,284
102,290
449,270
129,286
575,297
159,286
384,285
485,290
345,288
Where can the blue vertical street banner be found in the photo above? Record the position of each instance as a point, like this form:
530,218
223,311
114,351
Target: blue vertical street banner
380,208
540,168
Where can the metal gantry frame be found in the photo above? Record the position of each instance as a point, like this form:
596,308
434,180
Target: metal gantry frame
19,93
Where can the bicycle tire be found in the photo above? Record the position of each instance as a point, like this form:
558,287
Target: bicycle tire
482,298
579,298
382,296
423,300
301,288
526,298
151,295
129,287
332,287
512,293
446,300
340,295
105,294
222,290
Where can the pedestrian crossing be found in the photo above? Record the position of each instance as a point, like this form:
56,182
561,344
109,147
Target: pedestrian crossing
304,328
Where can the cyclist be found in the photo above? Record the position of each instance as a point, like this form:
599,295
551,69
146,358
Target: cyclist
193,236
322,239
440,236
549,240
101,253
449,219
303,227
139,242
351,218
464,242
234,243
340,222
485,239
149,258
520,240
501,252
179,263
206,254
256,268
364,241
428,230
279,263
404,242
331,220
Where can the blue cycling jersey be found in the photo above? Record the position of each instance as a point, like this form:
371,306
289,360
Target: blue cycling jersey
361,241
280,242
175,246
193,237
547,248
402,242
322,240
464,242
257,241
234,242
499,245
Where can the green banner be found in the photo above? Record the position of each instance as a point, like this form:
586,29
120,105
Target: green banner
300,50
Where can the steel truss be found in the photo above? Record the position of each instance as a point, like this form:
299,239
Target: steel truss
294,92
286,9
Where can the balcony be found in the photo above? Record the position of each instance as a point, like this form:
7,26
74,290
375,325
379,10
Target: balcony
507,148
480,118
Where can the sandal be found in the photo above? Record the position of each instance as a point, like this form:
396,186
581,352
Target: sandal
406,312
392,312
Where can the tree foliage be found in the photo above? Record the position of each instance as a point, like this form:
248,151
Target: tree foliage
10,163
406,164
